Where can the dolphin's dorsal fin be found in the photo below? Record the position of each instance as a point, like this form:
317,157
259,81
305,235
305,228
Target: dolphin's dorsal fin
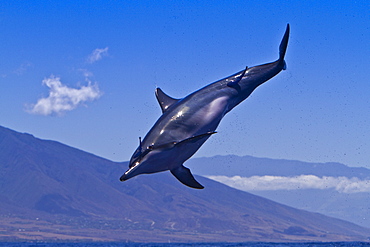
184,175
164,100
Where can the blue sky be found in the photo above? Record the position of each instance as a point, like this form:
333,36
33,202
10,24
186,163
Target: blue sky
84,73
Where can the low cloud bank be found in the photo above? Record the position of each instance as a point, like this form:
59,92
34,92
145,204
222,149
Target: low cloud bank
340,184
62,98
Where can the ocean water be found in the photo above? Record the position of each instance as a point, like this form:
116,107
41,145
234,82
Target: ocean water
117,244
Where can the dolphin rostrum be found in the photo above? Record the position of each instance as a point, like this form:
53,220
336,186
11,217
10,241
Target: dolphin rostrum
188,122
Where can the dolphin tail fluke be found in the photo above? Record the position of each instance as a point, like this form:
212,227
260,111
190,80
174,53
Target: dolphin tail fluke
284,45
184,175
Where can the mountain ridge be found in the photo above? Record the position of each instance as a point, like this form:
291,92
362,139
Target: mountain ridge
51,191
326,200
255,166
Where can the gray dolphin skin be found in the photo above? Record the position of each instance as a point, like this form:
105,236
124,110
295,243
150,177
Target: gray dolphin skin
188,122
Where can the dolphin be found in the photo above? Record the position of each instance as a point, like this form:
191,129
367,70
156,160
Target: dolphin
185,124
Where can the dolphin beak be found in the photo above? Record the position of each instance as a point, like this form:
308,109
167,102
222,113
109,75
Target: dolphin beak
129,173
123,178
126,176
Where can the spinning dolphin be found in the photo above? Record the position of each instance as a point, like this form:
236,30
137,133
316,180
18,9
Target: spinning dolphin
187,123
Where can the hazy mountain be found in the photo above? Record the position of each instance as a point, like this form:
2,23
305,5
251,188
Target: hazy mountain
349,203
51,191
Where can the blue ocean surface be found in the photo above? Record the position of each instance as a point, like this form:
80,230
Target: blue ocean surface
118,244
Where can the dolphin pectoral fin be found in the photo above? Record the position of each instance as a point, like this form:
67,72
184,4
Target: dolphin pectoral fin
235,82
184,175
196,138
164,100
170,145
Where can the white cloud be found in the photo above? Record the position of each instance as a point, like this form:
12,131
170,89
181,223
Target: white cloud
86,73
97,54
341,184
22,68
62,98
